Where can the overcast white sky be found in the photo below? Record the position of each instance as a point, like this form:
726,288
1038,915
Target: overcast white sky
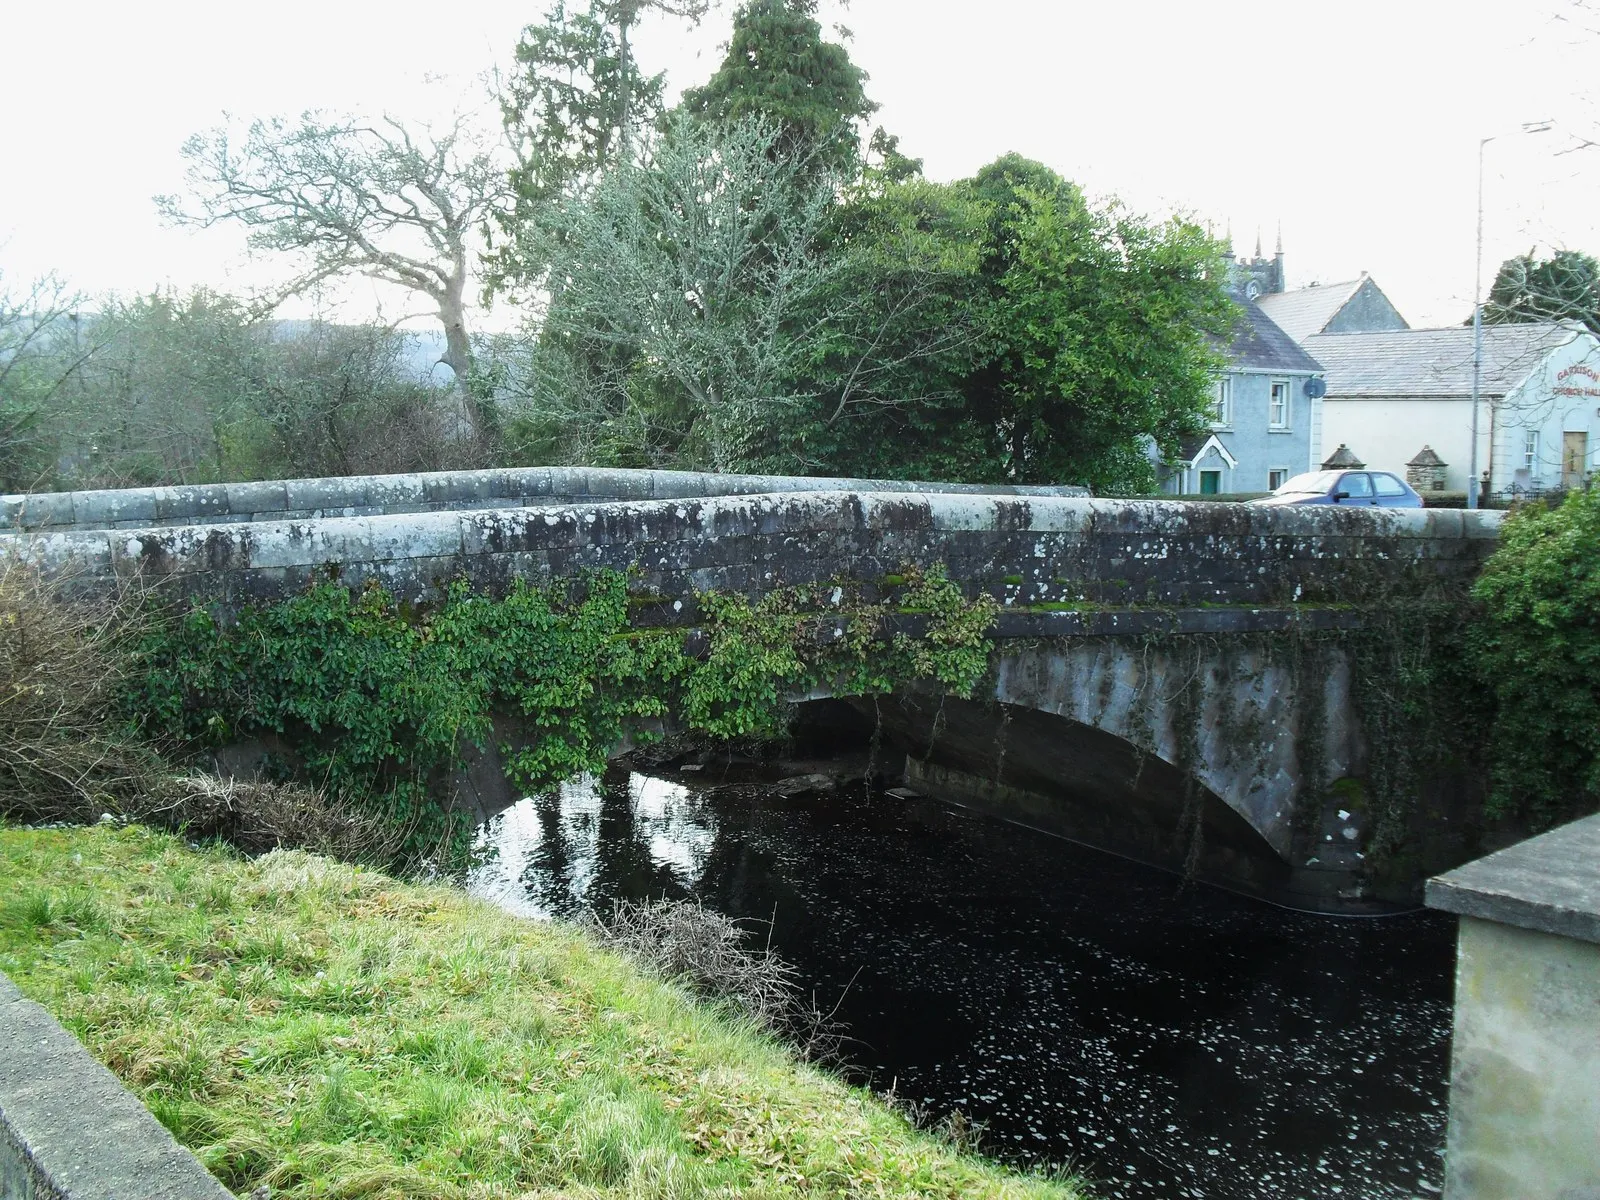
1355,123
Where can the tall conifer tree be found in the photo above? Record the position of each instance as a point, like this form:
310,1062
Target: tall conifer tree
779,67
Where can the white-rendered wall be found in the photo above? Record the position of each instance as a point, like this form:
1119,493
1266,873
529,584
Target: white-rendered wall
1386,434
1561,396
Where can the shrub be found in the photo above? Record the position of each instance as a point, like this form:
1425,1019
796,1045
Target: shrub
65,753
1537,652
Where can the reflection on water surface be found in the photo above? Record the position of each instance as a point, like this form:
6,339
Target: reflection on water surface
1166,1041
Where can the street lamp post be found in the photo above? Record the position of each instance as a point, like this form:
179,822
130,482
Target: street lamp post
1477,317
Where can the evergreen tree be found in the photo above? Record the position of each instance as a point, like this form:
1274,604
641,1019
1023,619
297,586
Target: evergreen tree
1564,287
572,107
779,68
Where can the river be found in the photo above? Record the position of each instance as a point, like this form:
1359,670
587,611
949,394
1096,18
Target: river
1162,1040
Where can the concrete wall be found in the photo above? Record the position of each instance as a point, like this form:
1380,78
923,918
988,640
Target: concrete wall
1098,739
387,495
69,1130
1525,1079
1387,433
1525,1055
1125,573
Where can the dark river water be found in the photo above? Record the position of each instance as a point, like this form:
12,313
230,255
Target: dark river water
1163,1041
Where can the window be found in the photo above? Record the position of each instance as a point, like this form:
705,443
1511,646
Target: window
1530,450
1222,405
1387,486
1210,483
1276,478
1278,405
1356,485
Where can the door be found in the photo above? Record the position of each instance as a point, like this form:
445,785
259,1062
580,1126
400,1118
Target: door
1354,488
1574,458
1210,483
1389,492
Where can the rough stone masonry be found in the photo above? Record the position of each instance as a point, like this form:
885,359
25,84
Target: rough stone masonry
1109,609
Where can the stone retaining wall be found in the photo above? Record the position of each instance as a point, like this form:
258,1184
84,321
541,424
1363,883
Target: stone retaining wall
436,491
69,1130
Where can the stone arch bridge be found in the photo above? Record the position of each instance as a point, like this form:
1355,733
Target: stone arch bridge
1174,681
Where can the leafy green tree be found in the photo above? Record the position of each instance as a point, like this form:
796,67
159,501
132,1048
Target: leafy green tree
1017,334
1537,653
779,68
882,375
1563,287
1099,332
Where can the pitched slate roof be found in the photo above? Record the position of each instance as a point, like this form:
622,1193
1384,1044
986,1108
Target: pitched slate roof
1307,311
1191,448
1259,344
1435,362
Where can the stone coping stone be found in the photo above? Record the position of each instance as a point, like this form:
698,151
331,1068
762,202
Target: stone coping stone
69,1130
371,494
1550,883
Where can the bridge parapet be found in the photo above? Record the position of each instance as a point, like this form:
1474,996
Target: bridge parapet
435,491
1037,553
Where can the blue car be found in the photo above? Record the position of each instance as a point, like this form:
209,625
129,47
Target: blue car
1357,489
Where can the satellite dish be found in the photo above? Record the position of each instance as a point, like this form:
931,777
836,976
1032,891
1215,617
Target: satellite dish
1316,387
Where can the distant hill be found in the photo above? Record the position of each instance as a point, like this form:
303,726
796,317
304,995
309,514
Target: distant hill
424,348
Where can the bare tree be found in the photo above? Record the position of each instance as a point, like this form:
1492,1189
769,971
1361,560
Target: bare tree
45,340
386,199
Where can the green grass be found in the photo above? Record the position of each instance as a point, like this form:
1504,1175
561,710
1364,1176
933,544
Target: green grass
334,1033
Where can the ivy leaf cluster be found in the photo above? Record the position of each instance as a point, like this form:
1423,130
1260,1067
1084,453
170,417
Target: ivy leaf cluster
382,702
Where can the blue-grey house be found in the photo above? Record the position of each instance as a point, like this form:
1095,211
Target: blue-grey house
1264,425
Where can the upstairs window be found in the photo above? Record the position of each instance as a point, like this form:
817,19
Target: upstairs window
1278,405
1222,403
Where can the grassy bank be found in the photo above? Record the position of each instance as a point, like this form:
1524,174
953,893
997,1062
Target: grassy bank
334,1033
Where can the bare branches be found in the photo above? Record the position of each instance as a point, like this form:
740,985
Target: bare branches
45,342
386,199
696,257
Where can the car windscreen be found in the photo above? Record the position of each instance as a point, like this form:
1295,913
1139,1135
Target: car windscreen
1313,481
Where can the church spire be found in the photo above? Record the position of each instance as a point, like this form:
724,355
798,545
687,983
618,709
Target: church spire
1258,242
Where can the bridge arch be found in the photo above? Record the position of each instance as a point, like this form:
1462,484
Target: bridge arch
1204,756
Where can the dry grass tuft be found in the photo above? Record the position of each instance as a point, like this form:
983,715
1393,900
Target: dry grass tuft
65,752
256,817
711,954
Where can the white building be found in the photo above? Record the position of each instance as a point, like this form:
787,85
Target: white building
1392,393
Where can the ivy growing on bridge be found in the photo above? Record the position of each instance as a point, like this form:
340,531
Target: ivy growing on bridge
381,701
